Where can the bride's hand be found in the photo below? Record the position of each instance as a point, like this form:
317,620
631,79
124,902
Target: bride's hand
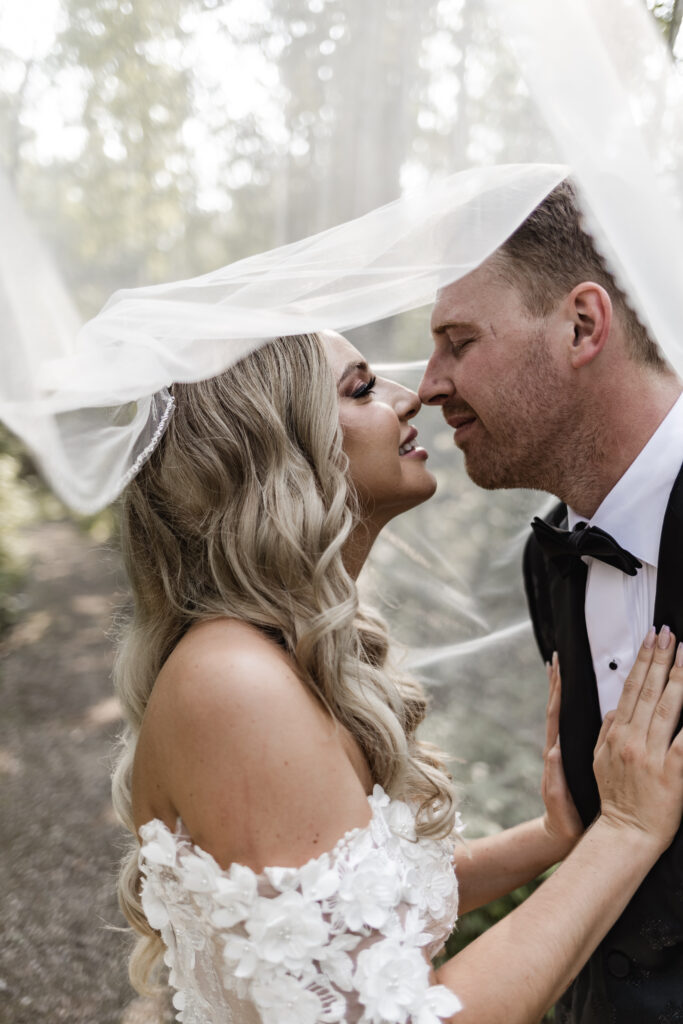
561,819
638,767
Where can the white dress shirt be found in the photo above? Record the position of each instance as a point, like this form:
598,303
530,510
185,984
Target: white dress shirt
620,608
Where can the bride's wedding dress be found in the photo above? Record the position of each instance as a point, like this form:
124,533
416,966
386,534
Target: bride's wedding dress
346,937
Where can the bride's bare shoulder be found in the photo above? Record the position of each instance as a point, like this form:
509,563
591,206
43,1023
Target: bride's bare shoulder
222,666
235,644
224,676
235,743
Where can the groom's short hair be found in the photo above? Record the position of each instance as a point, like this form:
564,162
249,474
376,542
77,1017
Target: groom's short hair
551,252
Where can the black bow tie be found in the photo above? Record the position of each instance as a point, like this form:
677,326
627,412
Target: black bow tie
565,546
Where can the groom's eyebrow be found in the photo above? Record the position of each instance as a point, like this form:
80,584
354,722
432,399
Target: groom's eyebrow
449,325
351,368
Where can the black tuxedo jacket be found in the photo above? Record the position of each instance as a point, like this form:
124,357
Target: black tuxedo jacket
636,974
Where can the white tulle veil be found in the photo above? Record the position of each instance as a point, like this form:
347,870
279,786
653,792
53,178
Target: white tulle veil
91,403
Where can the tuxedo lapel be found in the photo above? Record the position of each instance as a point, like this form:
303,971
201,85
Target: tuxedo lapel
668,603
579,710
557,603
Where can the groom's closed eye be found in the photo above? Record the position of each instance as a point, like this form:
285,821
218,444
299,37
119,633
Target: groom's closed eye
459,346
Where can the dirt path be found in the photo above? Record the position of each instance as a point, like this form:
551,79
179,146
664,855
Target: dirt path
60,960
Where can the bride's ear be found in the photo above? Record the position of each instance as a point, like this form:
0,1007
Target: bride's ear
590,310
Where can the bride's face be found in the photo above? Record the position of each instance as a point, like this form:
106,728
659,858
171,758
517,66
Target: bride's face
386,464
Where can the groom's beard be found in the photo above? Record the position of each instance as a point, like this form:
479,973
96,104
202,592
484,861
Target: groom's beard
530,431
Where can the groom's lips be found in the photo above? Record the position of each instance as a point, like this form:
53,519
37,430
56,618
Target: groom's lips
462,426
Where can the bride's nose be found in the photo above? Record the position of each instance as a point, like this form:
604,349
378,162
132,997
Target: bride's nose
406,402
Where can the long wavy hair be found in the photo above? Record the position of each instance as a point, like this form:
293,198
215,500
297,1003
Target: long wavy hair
243,510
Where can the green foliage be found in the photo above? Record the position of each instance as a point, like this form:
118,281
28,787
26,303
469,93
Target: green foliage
11,576
116,212
25,501
348,131
17,508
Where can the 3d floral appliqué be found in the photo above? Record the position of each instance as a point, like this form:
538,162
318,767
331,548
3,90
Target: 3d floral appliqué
344,939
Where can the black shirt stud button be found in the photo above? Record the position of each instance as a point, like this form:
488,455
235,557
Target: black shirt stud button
613,665
618,964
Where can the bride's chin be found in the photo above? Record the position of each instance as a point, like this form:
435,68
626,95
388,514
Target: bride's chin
429,489
420,493
376,512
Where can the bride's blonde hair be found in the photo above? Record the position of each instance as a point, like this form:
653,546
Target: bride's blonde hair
243,511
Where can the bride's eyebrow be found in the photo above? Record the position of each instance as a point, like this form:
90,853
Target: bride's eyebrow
351,368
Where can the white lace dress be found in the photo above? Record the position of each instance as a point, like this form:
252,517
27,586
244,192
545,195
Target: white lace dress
345,938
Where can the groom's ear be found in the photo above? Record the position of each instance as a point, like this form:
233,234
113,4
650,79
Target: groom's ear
589,308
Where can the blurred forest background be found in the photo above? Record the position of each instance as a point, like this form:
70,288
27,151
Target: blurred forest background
150,140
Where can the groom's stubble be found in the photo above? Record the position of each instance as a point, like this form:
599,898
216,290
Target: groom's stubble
538,432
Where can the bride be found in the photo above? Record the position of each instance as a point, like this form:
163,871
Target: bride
295,841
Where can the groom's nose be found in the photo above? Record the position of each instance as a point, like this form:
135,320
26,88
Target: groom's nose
436,387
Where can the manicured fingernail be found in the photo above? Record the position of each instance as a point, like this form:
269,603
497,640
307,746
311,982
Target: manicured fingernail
649,640
679,656
664,638
556,658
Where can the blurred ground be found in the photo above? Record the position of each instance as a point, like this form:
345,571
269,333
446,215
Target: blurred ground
60,960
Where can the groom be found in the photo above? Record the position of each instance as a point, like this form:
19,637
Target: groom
550,381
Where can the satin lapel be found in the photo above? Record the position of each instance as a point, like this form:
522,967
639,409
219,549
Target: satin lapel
580,718
669,597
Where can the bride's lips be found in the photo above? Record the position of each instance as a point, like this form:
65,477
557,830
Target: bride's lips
415,453
462,425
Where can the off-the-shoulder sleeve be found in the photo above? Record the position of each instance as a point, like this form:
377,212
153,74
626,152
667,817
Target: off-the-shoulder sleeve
345,938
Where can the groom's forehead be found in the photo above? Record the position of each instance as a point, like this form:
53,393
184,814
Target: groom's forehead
472,297
458,301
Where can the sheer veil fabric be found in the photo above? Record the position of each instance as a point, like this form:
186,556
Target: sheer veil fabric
90,404
92,409
610,97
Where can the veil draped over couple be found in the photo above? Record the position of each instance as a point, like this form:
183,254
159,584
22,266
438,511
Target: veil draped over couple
296,851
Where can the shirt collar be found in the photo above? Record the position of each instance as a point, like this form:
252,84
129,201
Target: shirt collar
633,511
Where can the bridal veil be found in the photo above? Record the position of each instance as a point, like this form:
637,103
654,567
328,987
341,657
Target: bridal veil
90,403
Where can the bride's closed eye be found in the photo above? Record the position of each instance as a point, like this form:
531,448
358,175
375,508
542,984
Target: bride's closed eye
365,389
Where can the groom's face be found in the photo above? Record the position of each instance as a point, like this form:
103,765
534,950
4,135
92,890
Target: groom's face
498,374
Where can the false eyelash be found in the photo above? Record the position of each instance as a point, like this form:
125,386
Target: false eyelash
365,389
